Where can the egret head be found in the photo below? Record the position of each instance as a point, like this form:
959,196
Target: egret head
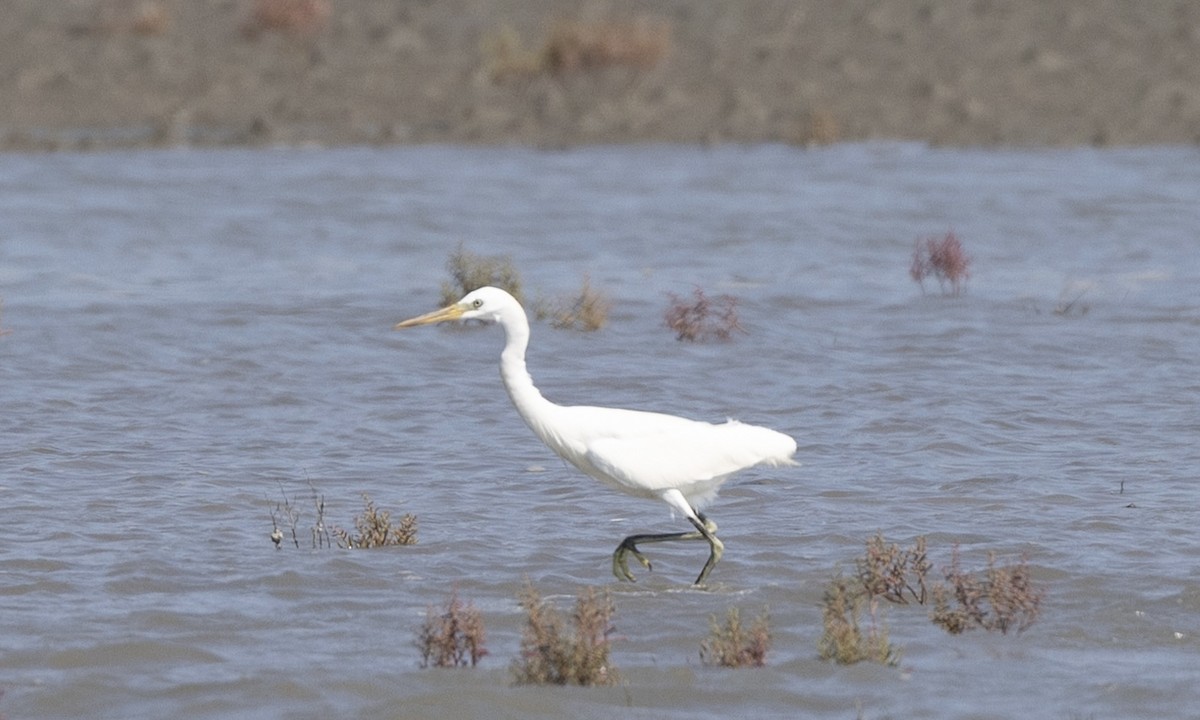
486,303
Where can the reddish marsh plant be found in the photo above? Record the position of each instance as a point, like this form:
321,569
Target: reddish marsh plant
1004,598
944,259
299,18
574,45
703,318
894,574
452,638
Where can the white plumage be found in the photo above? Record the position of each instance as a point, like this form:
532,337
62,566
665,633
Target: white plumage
651,455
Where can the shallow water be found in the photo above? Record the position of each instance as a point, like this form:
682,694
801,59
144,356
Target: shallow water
196,334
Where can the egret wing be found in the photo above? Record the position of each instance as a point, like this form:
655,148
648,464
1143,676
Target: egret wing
697,453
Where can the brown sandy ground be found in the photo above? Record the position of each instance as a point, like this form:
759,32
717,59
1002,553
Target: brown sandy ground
102,73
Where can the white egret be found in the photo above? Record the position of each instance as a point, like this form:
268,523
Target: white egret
651,455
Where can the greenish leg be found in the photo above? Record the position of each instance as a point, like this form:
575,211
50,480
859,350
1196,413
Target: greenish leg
705,530
708,529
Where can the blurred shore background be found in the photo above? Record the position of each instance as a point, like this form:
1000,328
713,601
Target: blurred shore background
93,74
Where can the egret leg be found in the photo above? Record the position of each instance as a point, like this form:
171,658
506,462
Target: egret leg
708,530
705,530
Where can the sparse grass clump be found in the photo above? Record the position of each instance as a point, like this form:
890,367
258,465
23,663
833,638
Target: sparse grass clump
587,311
469,271
844,640
733,645
373,528
702,319
944,259
287,514
552,656
572,46
299,18
452,638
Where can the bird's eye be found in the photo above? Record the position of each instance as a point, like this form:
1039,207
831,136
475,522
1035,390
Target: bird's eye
477,304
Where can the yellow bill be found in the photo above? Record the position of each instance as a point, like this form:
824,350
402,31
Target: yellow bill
450,312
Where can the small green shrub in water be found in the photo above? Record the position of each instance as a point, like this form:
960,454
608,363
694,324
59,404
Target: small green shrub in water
844,639
469,271
734,645
586,311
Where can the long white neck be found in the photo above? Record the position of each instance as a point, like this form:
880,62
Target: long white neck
528,400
